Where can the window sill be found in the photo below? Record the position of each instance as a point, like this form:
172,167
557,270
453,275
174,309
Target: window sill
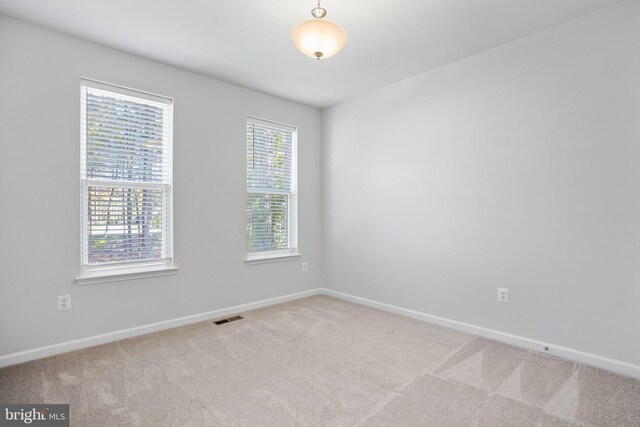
266,259
125,274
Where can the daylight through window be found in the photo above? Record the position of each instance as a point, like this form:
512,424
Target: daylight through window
271,189
126,177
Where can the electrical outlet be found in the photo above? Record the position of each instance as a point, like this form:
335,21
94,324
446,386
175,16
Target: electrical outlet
64,302
305,267
503,294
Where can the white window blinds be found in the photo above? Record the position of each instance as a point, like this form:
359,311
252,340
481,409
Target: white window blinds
271,188
126,177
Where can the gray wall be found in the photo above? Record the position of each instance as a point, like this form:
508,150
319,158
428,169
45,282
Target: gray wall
519,168
40,75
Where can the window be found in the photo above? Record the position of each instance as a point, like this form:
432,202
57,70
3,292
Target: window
126,182
271,191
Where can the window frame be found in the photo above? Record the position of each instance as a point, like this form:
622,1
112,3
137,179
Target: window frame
110,272
292,252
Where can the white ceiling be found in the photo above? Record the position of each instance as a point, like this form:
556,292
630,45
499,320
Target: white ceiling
247,41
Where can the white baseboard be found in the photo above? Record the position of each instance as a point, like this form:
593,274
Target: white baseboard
613,365
50,350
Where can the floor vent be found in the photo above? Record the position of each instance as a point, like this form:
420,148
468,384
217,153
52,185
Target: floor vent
227,320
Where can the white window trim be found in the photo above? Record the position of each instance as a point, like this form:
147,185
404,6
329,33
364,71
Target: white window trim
135,270
272,256
130,273
292,253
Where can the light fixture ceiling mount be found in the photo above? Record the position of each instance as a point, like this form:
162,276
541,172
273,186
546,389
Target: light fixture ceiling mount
319,12
318,37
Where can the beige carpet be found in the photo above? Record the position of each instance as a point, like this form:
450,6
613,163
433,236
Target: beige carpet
321,361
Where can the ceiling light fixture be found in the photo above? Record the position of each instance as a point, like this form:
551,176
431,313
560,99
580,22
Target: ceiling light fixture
318,37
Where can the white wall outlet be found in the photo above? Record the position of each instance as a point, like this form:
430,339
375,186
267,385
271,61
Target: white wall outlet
305,267
503,294
64,302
